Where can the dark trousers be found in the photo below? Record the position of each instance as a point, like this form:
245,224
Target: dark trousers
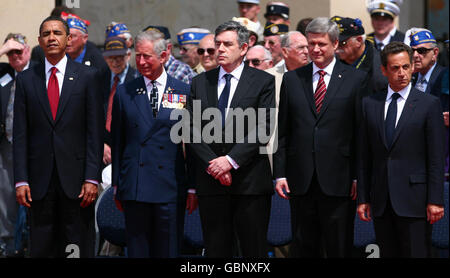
225,216
320,224
59,227
152,230
404,237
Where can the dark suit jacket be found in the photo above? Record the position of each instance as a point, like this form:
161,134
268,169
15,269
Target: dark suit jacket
319,143
74,141
398,37
411,171
256,89
5,92
106,87
147,166
434,85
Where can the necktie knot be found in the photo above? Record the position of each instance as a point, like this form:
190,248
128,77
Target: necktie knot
116,79
54,70
322,73
228,77
395,96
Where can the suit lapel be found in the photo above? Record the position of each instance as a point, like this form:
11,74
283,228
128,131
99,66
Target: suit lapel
41,91
70,79
337,78
242,87
434,75
139,90
407,113
211,87
308,88
380,117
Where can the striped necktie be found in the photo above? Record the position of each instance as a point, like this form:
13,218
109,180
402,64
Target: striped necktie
321,89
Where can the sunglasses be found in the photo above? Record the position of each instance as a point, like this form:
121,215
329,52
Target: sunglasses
255,62
422,50
201,51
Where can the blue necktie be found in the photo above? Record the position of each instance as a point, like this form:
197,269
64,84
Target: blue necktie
223,100
391,119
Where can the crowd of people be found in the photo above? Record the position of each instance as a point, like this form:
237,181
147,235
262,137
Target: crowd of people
361,128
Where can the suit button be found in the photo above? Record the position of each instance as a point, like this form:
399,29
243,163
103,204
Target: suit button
161,147
160,167
143,145
141,164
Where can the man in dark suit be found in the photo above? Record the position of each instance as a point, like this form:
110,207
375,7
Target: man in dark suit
57,147
148,167
382,15
233,178
117,55
401,173
427,76
315,162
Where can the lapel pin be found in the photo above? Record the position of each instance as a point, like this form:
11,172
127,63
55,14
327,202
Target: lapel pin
70,78
87,63
340,76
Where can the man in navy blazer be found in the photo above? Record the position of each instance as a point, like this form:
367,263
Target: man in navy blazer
148,167
401,165
57,147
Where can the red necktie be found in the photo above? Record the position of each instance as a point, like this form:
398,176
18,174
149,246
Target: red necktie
321,89
110,103
53,92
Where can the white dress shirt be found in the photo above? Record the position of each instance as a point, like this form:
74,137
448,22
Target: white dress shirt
161,82
61,66
327,77
404,93
235,76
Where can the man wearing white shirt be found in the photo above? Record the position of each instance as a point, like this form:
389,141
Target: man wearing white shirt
315,165
57,147
401,161
148,169
233,179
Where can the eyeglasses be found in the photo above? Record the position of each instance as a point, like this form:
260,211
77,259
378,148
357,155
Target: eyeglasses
255,62
201,51
422,50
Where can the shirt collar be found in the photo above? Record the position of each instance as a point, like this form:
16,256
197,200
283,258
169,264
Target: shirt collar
403,93
120,75
80,57
25,68
388,38
328,69
61,65
428,74
236,73
161,80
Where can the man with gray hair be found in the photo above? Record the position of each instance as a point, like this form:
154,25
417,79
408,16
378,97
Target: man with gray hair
315,163
148,169
234,184
258,57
